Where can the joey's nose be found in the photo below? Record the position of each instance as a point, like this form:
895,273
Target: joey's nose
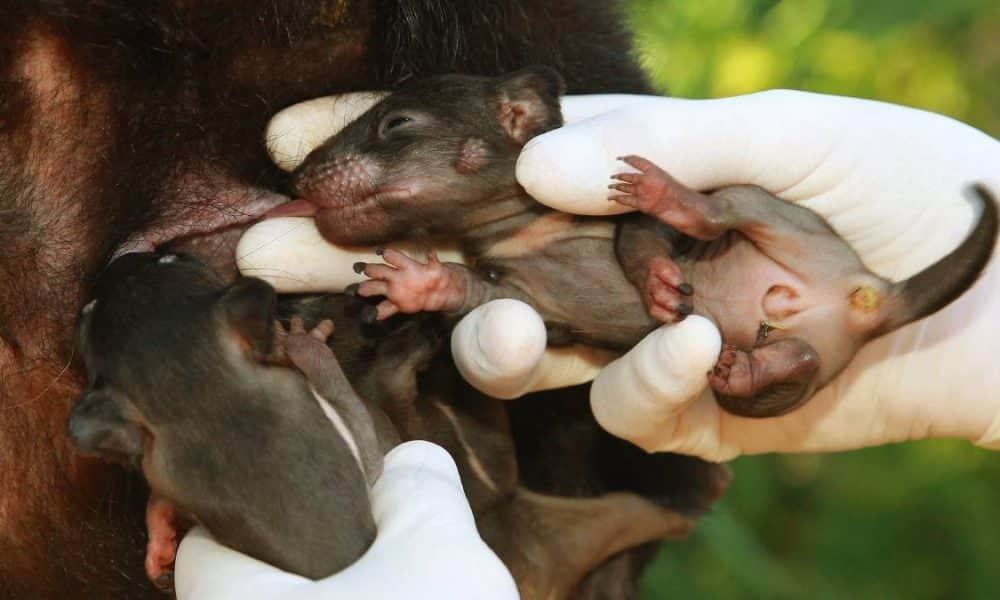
331,180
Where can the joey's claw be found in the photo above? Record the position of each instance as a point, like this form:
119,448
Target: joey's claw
724,374
359,267
165,582
626,177
664,291
379,250
323,330
398,259
369,314
352,290
637,162
728,355
385,309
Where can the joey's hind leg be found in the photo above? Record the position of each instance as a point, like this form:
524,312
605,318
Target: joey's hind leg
769,380
550,543
391,377
310,354
654,192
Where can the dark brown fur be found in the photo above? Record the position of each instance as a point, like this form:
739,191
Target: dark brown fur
150,95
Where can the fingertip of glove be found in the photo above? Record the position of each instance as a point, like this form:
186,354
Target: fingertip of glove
568,169
420,455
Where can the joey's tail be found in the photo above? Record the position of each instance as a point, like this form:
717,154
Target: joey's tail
941,283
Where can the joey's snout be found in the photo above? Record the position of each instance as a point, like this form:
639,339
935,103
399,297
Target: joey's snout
336,180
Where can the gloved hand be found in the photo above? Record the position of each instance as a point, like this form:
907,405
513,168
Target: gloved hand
427,547
889,179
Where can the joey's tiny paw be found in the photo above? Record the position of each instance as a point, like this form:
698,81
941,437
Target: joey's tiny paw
161,549
165,582
646,191
160,564
299,340
411,286
666,295
732,375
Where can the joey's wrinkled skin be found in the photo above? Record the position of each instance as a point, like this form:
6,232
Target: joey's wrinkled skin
184,384
792,300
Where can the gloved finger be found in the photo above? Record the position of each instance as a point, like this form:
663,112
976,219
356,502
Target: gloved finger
427,540
876,171
500,349
291,255
295,131
705,144
652,395
427,546
497,347
207,570
420,490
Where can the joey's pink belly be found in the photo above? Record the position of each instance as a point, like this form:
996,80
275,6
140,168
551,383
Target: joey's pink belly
731,277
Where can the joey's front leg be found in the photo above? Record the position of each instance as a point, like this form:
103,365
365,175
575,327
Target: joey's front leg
767,381
654,192
411,286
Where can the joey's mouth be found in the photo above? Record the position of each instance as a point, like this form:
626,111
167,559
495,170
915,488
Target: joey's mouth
344,202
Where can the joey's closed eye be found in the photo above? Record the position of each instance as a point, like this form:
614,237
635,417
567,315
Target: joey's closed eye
393,122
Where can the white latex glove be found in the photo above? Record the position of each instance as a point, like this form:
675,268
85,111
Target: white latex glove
427,547
887,178
499,348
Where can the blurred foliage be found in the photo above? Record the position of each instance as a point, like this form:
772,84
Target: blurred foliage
910,521
938,55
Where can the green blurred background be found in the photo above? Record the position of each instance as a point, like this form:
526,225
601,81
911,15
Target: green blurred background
919,520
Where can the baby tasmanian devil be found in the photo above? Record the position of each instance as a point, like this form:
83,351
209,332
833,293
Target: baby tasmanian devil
180,385
792,300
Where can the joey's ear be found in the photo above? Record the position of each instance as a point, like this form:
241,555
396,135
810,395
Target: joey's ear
781,302
100,423
528,102
249,306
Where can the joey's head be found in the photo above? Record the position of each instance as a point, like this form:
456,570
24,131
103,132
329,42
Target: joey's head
162,332
427,155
